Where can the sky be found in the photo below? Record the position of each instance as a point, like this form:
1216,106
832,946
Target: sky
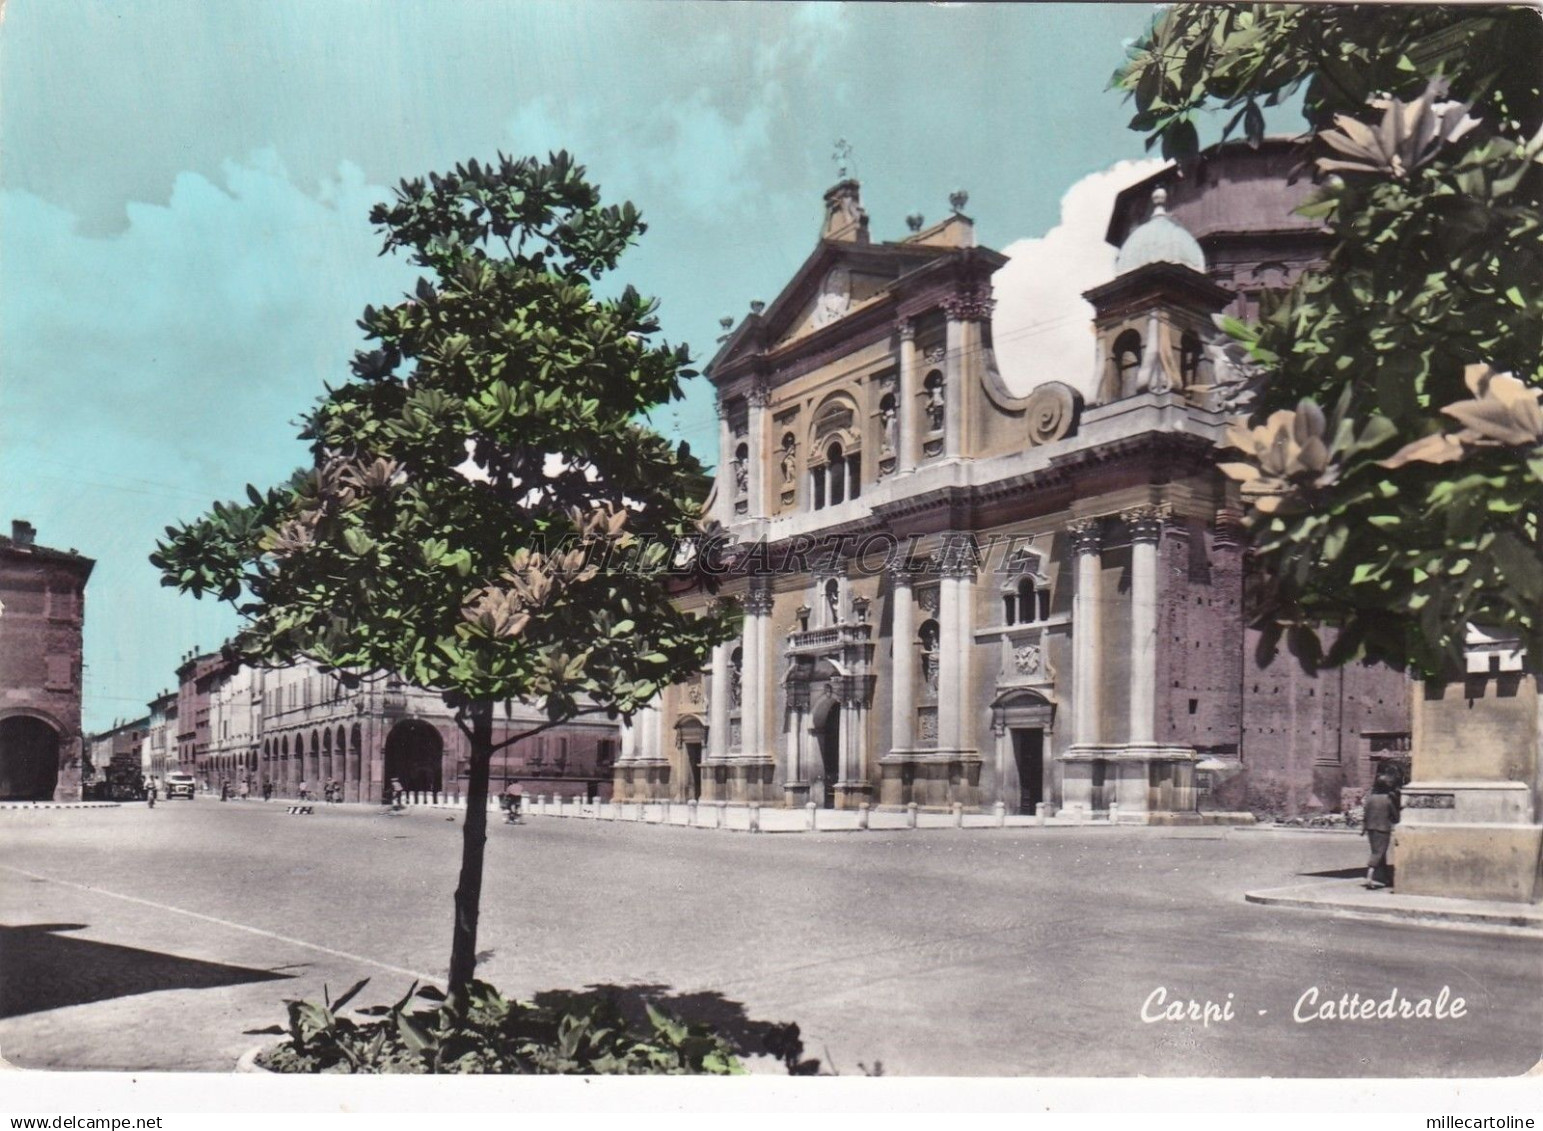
185,189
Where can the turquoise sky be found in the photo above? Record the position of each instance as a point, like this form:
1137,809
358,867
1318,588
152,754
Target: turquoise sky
184,191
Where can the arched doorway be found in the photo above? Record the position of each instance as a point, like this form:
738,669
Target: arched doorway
414,756
29,759
827,733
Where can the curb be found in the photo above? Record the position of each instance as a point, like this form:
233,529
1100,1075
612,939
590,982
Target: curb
61,805
1529,918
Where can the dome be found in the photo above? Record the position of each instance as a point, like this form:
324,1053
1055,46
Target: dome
1162,239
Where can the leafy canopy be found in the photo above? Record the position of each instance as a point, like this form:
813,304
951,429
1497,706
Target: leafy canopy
1395,469
478,480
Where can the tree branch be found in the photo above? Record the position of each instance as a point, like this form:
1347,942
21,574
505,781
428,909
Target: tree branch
545,727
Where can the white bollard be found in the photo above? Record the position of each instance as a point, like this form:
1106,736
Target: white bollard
862,815
664,811
910,815
1042,812
723,815
1114,812
958,815
755,817
1001,814
691,813
812,810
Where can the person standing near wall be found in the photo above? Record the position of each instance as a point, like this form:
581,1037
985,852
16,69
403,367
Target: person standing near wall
1381,814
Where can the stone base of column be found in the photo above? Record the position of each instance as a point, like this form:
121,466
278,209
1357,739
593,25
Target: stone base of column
795,794
740,779
1144,780
1469,840
851,794
643,779
930,779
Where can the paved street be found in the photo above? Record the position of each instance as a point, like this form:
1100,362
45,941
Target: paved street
133,939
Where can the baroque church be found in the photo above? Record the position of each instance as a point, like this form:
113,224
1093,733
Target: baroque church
999,597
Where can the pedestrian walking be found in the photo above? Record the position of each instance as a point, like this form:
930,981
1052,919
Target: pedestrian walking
305,791
244,791
396,793
150,792
267,790
224,790
1380,814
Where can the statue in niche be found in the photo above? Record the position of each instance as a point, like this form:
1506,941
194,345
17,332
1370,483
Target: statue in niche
789,459
741,464
935,406
889,423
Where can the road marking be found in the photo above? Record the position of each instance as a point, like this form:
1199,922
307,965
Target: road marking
427,978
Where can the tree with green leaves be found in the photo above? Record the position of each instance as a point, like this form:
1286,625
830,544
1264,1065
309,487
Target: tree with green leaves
1395,465
485,515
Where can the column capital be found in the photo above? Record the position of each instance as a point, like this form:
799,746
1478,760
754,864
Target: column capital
759,395
907,329
759,598
969,306
1146,522
958,556
901,572
1087,535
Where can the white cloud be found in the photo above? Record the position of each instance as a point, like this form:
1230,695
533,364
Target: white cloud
1043,328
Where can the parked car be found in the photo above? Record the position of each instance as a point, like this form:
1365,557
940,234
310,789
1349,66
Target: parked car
179,785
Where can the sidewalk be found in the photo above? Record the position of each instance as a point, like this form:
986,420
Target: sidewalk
1353,898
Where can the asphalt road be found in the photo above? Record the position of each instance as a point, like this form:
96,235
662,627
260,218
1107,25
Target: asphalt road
133,939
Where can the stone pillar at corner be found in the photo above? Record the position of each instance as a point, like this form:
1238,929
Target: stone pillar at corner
1472,822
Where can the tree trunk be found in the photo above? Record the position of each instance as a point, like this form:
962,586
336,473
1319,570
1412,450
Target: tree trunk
474,835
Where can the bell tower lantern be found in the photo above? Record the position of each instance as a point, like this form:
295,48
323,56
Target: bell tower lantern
1153,316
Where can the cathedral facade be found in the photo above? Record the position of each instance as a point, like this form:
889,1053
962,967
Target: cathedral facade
959,594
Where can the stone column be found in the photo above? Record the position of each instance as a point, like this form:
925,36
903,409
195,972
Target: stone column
902,703
1087,544
718,703
908,403
759,400
953,388
955,625
725,505
963,361
752,710
1146,525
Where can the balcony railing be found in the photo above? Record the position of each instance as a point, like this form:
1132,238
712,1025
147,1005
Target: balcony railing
830,637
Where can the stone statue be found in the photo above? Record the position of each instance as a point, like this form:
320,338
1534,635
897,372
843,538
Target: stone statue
889,422
789,458
935,406
741,476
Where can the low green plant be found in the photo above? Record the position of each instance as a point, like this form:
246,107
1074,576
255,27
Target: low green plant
566,1033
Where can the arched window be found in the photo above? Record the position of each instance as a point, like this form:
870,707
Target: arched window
835,465
1127,361
1189,359
1032,602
